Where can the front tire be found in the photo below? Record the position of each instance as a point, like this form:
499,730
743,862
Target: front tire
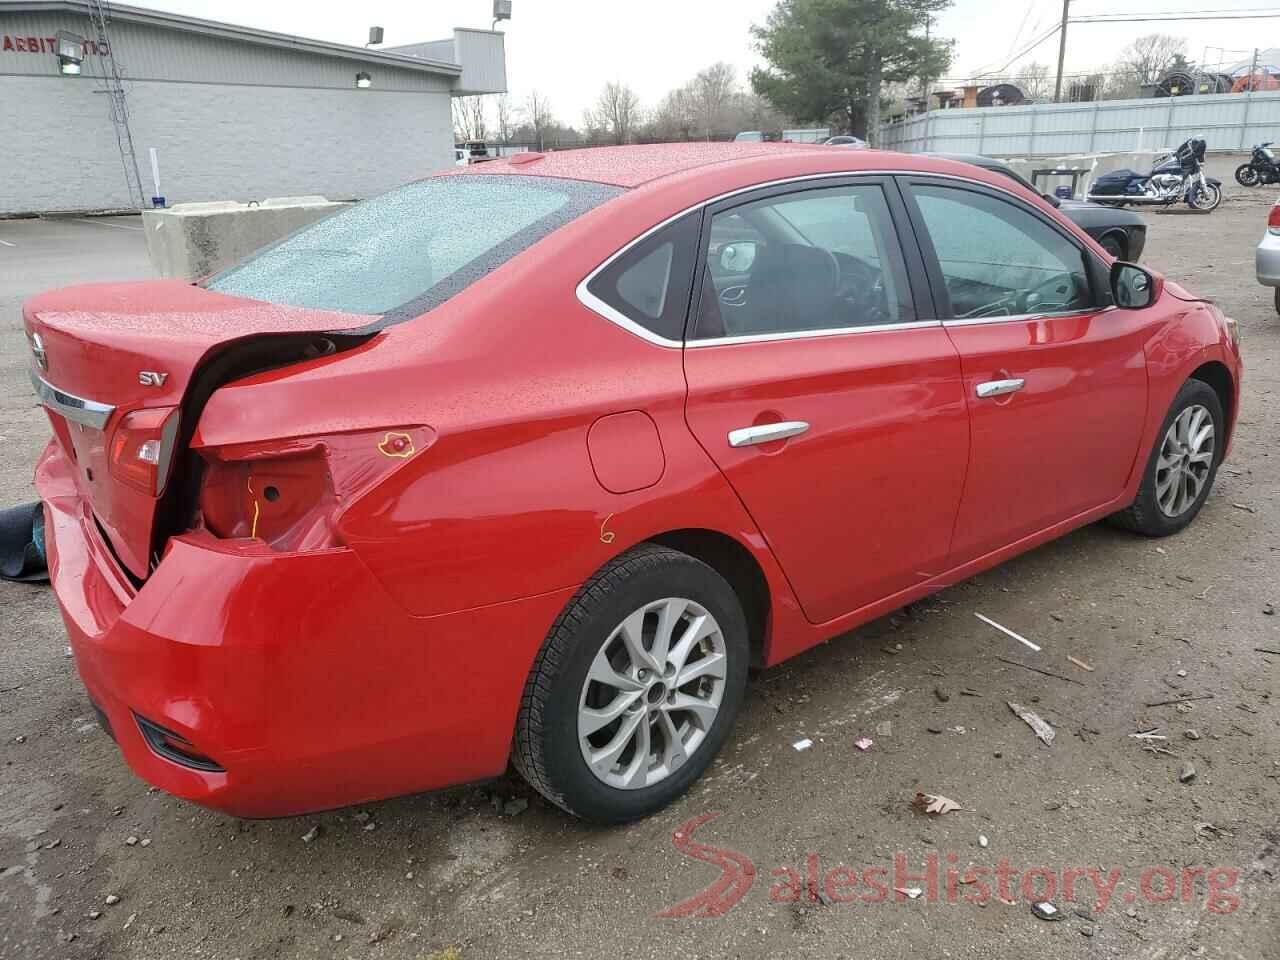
1247,175
1205,200
1183,465
635,688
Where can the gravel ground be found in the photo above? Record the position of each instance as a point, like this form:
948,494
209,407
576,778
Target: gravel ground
495,872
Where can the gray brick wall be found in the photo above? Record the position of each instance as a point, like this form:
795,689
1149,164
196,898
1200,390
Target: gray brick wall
215,141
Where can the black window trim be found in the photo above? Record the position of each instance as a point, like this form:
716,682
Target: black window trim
1094,270
911,249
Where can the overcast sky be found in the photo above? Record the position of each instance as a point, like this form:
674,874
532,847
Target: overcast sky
568,49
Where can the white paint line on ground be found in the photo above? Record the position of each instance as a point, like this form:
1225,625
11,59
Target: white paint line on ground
99,223
1006,630
7,243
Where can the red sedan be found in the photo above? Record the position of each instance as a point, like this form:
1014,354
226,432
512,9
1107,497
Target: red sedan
534,460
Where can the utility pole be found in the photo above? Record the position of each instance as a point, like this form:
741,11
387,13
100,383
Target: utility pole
1062,50
924,77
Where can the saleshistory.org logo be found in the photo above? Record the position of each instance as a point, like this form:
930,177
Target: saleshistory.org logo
940,879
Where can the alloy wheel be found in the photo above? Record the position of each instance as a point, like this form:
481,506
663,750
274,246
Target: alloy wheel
1186,460
652,693
1206,197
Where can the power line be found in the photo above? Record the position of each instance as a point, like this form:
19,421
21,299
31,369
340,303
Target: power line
1173,18
1164,13
1014,59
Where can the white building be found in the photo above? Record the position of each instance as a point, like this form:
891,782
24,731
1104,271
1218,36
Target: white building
234,113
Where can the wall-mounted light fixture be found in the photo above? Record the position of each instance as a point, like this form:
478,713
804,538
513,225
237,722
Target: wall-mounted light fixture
70,53
363,81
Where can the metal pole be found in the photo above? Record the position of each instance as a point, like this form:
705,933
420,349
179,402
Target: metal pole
1248,100
1062,51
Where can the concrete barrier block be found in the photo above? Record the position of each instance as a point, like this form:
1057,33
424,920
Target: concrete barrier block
193,240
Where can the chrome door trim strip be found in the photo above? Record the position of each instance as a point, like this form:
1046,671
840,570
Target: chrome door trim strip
599,307
809,334
89,413
1024,317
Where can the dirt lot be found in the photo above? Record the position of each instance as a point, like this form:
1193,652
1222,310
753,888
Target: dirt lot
93,864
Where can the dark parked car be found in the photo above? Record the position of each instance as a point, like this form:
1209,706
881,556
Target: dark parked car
1122,233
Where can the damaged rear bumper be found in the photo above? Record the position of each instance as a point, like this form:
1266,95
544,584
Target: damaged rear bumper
268,684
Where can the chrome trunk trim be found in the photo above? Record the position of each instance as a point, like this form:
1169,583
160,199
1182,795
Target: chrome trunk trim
89,413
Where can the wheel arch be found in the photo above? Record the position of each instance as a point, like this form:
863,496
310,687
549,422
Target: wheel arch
733,561
1217,376
1120,236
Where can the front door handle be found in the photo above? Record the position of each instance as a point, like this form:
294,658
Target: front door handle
998,388
766,433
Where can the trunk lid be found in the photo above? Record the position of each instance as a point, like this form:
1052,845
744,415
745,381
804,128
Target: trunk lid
104,352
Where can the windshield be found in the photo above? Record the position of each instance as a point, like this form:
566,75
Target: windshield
409,250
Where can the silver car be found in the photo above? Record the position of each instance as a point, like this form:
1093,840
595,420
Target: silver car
1267,257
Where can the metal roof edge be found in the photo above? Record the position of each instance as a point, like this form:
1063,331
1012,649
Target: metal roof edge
174,21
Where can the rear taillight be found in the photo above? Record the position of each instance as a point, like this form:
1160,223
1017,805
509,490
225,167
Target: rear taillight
142,448
289,493
1273,219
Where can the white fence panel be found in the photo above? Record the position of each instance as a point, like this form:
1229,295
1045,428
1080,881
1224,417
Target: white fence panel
1226,121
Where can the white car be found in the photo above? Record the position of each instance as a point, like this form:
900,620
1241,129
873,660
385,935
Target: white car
845,141
460,157
1267,256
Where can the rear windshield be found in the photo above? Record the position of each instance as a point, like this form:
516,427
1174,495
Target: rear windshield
407,251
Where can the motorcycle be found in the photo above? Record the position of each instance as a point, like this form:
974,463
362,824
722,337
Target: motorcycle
1262,168
1179,176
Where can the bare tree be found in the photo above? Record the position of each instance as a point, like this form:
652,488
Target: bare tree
506,116
750,111
615,113
1150,56
538,110
1034,81
469,118
675,117
712,90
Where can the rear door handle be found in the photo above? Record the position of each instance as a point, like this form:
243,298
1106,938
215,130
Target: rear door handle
766,433
998,388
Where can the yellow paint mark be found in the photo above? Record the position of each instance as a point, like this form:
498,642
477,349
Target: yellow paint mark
396,445
253,530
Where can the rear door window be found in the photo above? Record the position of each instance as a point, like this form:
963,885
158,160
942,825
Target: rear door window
817,259
407,251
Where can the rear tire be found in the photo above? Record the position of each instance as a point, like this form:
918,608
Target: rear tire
1277,299
596,663
1179,476
1247,175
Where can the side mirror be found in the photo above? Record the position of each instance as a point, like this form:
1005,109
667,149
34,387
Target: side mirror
1132,287
737,257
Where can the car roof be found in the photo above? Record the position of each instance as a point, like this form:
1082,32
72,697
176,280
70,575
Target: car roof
633,166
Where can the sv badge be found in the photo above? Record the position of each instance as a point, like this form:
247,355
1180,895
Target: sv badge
150,378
